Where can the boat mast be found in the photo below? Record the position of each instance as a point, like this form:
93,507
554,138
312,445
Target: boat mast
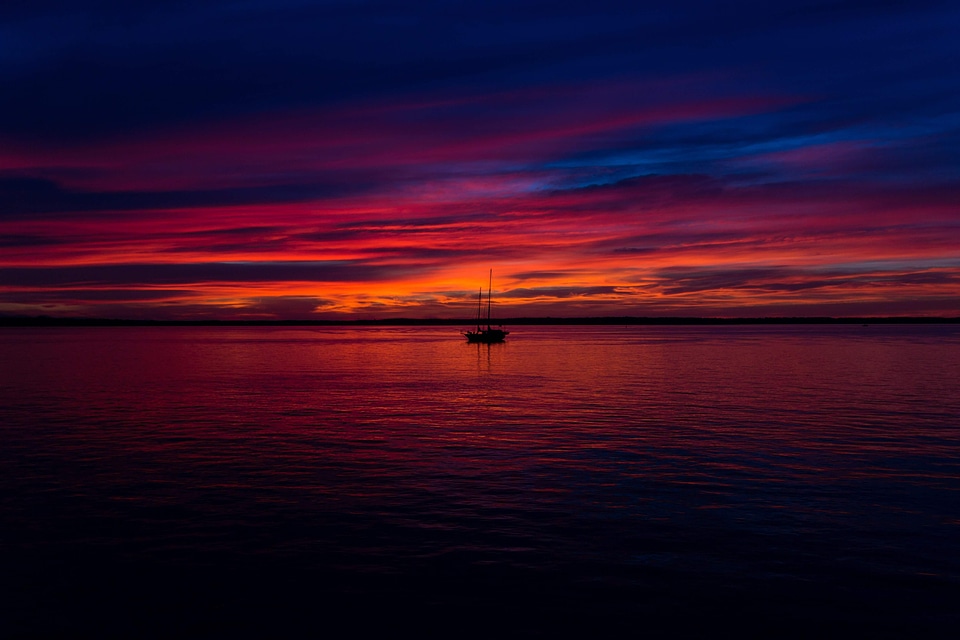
479,307
489,295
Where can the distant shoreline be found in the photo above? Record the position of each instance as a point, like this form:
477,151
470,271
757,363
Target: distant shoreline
44,321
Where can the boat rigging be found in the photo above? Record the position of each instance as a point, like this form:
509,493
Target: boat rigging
488,335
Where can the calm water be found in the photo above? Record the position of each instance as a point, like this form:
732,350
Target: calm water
664,480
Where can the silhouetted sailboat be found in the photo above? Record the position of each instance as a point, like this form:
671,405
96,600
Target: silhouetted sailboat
488,335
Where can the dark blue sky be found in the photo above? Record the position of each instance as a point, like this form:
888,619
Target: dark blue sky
798,157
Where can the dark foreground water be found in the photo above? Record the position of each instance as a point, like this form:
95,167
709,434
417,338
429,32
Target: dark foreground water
575,481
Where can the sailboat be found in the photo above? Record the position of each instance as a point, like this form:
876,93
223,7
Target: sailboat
488,335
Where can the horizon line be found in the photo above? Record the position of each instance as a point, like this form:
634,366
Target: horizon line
39,321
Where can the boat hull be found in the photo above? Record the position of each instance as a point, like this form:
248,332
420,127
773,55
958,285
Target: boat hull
486,336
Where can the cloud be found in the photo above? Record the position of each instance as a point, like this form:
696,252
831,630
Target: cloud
774,280
283,307
21,196
193,273
558,292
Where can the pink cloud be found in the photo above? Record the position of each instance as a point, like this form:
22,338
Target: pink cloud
423,135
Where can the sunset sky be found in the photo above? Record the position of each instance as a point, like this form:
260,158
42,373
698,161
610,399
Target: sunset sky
344,159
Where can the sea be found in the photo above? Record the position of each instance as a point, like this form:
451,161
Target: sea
574,481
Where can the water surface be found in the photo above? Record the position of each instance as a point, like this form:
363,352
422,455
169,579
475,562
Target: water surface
228,481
